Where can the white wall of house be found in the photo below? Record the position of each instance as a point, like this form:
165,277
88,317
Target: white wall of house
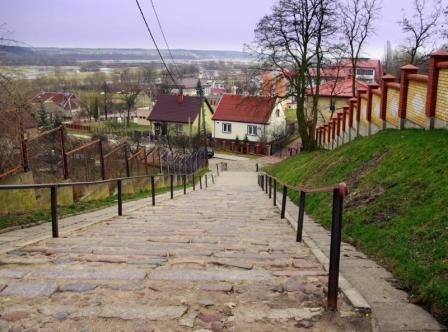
276,125
141,116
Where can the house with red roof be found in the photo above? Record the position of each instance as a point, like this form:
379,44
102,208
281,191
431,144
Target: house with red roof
259,118
179,114
66,105
367,70
333,95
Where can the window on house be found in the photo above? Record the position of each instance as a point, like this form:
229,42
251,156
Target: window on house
227,128
361,71
179,128
251,130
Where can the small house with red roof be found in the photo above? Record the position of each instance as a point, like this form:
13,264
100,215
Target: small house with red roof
333,95
259,118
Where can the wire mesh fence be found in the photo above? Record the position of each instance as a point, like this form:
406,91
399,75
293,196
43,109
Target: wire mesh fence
44,156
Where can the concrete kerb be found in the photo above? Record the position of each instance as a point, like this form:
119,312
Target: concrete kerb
129,206
358,302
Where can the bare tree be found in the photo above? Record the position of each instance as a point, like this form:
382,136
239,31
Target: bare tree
357,22
130,88
421,29
290,40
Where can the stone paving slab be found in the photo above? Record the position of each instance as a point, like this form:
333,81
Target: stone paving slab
234,275
30,289
89,274
127,312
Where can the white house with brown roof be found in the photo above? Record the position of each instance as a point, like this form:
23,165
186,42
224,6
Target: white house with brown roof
259,118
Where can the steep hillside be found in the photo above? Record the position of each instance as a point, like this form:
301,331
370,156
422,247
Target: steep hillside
397,209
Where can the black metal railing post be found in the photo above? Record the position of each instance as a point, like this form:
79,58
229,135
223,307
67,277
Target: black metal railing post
256,167
200,181
262,182
275,192
206,181
153,191
270,187
335,249
171,185
285,193
54,211
213,179
217,169
120,202
300,216
194,184
184,180
266,184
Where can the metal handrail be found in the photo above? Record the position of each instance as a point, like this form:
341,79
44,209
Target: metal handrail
340,186
267,183
85,183
54,186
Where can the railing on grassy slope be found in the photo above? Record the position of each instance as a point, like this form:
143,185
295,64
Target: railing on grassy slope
269,185
54,186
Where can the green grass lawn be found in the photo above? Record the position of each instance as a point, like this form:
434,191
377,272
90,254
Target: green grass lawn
396,211
291,116
112,125
82,207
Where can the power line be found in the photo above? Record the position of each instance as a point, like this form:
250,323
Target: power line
164,38
155,44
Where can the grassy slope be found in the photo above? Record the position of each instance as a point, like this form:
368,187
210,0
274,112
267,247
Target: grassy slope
397,208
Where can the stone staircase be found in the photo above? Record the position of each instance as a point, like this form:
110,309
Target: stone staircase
220,259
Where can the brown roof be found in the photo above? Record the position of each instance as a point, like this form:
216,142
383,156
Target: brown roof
169,109
244,109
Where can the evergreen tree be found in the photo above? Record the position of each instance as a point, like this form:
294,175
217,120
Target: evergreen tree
96,109
57,122
93,108
42,116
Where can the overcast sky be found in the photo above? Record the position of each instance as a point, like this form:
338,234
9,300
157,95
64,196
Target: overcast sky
193,24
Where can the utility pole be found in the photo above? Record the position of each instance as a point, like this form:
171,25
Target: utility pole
105,92
201,98
199,92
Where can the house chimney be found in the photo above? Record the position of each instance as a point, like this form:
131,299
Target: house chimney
180,98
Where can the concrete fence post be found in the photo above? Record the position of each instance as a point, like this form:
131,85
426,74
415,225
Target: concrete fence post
328,134
436,61
351,124
338,128
404,82
346,113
